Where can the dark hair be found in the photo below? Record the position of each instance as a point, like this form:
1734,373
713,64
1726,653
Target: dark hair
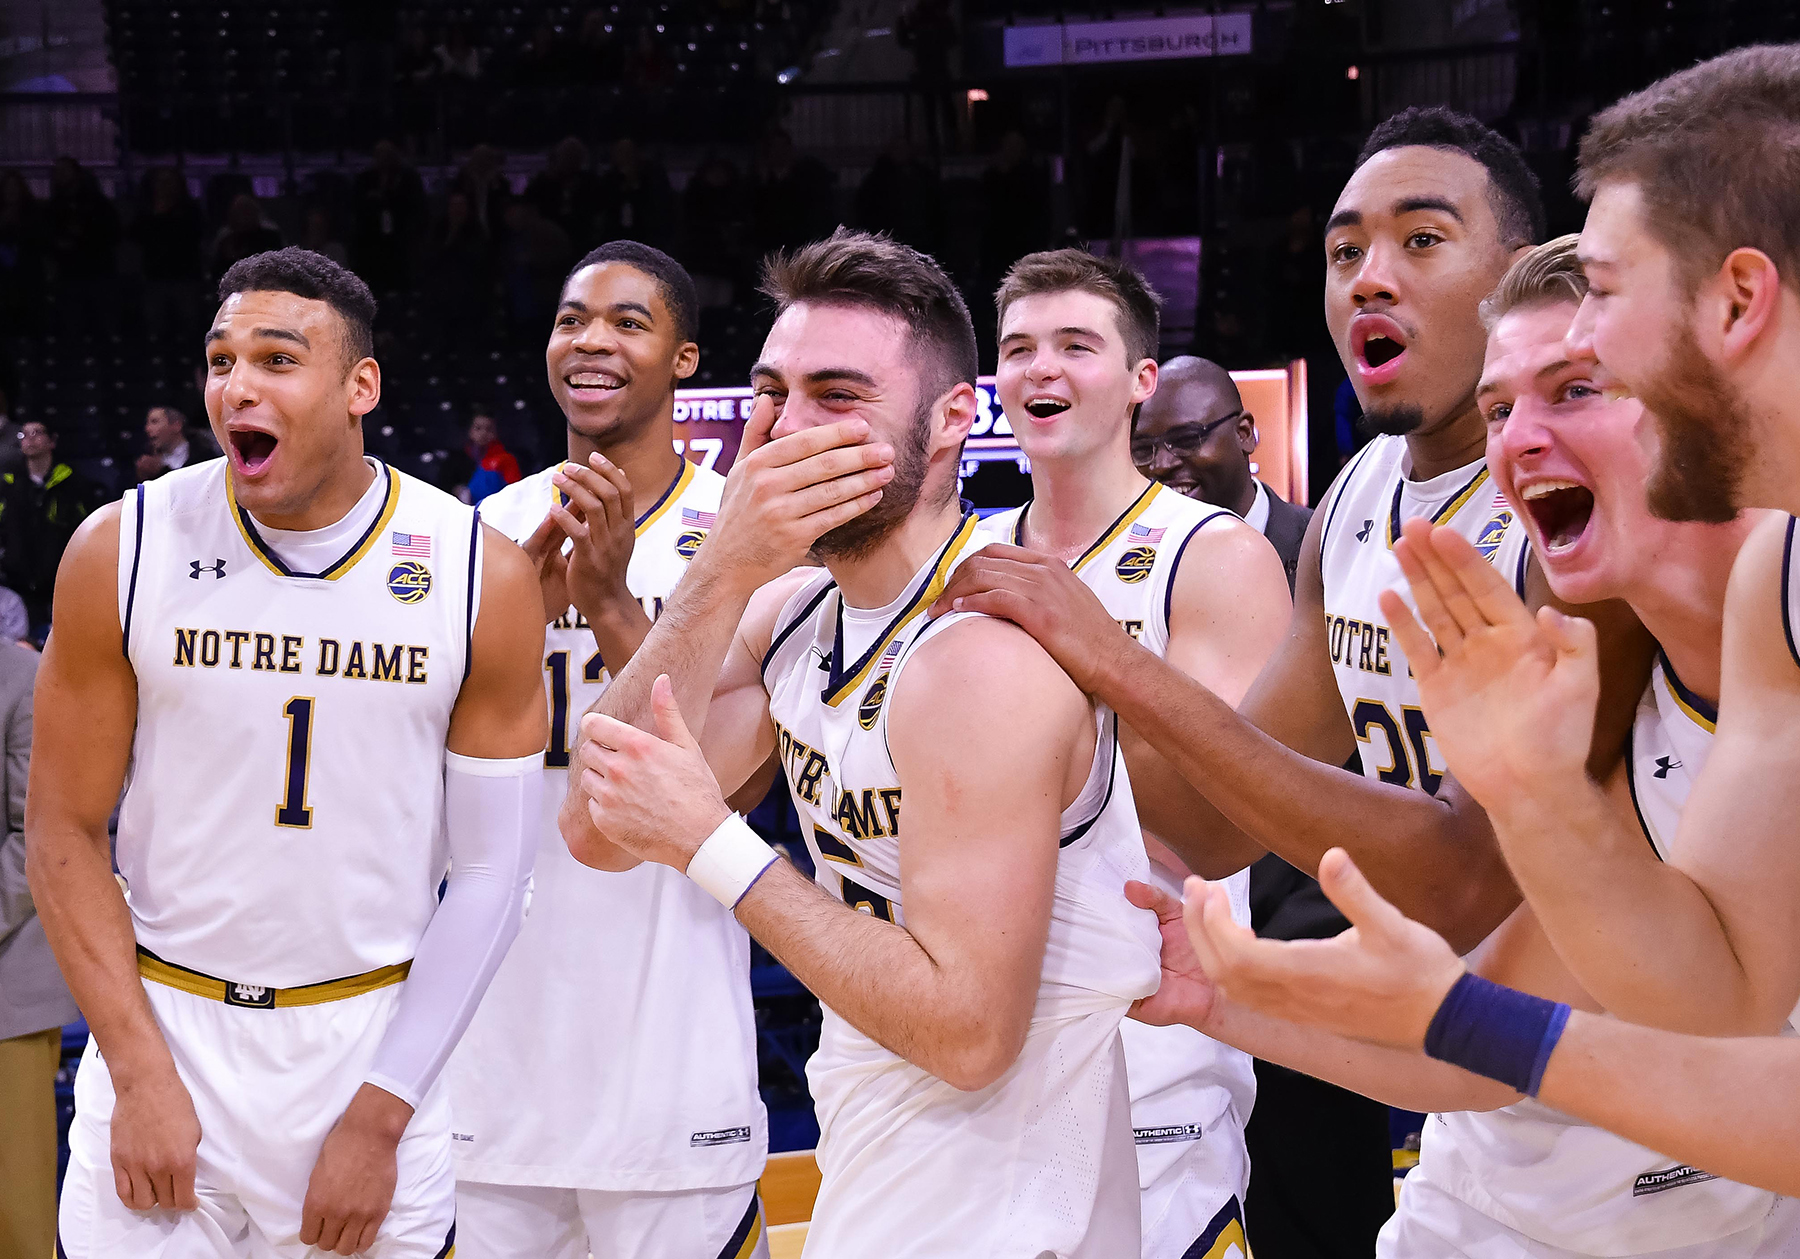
672,279
315,277
1512,188
1062,270
1715,152
852,268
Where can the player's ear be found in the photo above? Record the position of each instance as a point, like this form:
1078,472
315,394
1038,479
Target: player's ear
1248,438
957,411
1145,383
365,387
687,360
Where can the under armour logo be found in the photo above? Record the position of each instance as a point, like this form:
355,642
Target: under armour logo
1362,534
823,658
1664,764
217,569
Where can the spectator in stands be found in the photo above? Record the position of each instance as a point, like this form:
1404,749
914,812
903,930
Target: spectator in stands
1015,208
40,507
34,1001
483,180
534,257
247,231
318,235
11,457
483,465
568,194
715,228
169,231
21,254
902,197
389,201
82,229
170,444
635,200
460,272
793,198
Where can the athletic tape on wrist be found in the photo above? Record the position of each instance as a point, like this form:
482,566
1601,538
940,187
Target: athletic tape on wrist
730,861
1498,1032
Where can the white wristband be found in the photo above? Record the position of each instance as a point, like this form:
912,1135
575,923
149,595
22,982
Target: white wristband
731,859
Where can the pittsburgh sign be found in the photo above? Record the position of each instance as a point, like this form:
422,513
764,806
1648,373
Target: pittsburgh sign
1139,39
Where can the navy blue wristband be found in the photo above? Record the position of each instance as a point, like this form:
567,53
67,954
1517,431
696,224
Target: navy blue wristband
1498,1032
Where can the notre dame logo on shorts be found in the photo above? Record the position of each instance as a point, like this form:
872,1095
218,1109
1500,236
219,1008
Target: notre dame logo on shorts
870,708
1135,564
409,581
689,542
254,995
1492,534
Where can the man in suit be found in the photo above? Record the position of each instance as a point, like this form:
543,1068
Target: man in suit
1319,1155
34,1001
1194,436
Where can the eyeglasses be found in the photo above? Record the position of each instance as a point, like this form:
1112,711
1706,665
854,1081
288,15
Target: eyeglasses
1180,442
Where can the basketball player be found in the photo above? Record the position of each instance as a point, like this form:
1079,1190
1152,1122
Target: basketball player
1077,345
630,993
966,933
1423,230
1521,1179
322,676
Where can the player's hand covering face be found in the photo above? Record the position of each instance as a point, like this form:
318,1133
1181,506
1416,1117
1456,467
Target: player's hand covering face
1381,981
651,794
1510,699
1043,597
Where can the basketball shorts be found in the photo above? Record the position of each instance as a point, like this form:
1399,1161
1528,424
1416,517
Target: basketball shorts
267,1085
1186,1181
1433,1224
528,1222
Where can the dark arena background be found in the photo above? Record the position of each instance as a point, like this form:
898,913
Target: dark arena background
460,156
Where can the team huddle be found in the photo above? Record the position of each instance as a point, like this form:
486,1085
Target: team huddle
432,914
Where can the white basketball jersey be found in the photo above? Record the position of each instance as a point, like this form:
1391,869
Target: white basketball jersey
283,823
1558,1180
1040,1161
1363,512
616,1047
1182,1082
1790,593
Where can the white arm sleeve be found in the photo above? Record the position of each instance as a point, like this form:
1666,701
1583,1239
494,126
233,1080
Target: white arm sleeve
491,811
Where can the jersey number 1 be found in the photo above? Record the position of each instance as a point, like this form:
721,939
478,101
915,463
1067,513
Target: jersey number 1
293,810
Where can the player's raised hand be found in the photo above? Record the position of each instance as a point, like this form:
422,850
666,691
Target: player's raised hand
651,794
544,548
1381,981
1186,994
1044,598
600,519
155,1142
1511,698
786,492
352,1183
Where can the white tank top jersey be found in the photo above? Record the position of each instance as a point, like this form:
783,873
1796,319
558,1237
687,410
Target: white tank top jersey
616,1048
1790,593
1363,512
283,821
1181,1080
1560,1181
1033,1162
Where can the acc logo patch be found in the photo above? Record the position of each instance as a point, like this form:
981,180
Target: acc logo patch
1492,534
689,542
870,708
1135,564
409,581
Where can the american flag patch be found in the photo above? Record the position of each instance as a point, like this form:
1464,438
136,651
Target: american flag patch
415,544
699,519
889,656
1145,534
1499,499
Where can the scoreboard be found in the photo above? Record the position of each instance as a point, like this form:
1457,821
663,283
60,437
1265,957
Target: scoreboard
709,423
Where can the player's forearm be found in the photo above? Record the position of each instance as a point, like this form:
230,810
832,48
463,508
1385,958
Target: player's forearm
879,979
1439,864
1397,1077
619,628
1205,840
688,642
1730,1106
1637,933
89,928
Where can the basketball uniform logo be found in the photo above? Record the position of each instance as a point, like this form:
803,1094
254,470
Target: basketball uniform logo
1493,533
694,526
1135,565
409,581
688,543
256,996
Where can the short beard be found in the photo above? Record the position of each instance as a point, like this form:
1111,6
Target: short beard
860,535
1394,421
1703,428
